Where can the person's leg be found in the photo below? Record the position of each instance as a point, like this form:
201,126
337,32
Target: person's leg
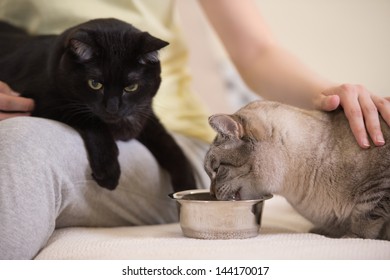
46,183
28,189
195,150
141,197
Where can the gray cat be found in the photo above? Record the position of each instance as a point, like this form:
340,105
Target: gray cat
309,157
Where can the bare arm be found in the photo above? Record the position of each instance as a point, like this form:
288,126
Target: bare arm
276,74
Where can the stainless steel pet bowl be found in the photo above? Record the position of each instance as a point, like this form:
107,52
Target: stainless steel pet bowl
202,216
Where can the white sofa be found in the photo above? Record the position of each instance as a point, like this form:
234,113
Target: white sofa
283,235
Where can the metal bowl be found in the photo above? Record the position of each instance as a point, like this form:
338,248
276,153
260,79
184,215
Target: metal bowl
202,216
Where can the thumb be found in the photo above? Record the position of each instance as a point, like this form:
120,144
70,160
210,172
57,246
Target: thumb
329,103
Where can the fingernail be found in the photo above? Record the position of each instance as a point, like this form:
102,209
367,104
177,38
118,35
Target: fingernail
365,143
380,141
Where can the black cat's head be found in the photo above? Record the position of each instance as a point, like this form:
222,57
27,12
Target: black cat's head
109,66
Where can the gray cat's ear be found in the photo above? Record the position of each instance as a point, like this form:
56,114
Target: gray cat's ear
82,50
226,125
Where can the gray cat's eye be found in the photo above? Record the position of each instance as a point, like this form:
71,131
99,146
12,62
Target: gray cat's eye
131,88
95,85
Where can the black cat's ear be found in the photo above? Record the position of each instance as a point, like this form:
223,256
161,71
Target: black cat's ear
149,58
150,47
226,125
82,50
151,43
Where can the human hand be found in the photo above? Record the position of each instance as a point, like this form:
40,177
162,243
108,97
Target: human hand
12,105
362,109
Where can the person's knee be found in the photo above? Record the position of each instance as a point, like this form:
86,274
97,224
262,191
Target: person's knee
26,130
33,140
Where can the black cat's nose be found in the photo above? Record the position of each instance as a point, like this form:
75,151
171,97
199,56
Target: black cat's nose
112,106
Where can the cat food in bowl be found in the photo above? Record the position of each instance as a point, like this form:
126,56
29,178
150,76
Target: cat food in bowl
202,216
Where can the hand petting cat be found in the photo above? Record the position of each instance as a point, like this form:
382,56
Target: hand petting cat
13,105
361,108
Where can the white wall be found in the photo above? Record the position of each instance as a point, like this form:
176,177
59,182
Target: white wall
344,40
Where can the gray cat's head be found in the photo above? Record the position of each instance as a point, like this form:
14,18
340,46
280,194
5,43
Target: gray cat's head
245,159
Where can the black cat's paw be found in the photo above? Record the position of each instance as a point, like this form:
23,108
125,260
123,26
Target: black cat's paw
108,177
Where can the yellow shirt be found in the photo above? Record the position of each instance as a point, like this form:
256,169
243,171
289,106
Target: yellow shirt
175,104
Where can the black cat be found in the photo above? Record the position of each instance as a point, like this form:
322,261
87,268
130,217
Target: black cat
99,77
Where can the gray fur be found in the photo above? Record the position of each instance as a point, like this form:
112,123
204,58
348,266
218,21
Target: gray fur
309,157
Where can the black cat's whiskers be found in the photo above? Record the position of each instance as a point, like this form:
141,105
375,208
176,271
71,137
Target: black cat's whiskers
161,105
145,112
83,114
70,110
141,113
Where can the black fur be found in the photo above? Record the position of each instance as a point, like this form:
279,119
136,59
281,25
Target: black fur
59,73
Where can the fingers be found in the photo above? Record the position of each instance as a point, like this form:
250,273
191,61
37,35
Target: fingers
371,119
362,110
4,88
12,105
383,106
354,114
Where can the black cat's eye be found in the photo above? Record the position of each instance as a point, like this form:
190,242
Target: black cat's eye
95,85
131,88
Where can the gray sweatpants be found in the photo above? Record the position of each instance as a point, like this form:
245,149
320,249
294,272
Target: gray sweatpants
46,183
